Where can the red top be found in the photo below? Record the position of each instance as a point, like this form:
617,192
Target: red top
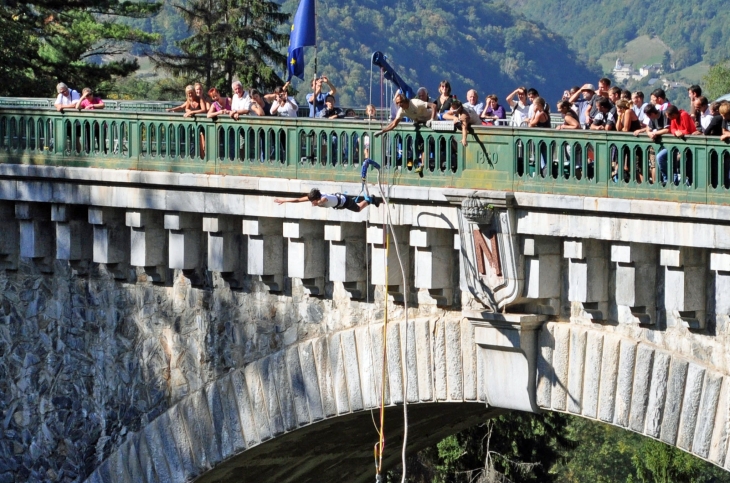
684,125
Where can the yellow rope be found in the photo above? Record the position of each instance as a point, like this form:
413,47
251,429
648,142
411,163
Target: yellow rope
380,447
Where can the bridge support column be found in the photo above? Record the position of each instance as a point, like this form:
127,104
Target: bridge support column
395,283
508,346
224,247
147,242
433,263
634,282
682,289
265,247
348,255
306,254
184,244
74,236
588,277
720,266
9,237
36,233
542,274
111,239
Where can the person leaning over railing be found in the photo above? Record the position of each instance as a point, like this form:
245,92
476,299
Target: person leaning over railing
67,98
221,106
193,104
657,126
464,114
724,110
88,101
202,95
570,118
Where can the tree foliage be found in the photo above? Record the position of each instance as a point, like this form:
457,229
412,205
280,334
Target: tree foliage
230,38
472,43
717,81
695,30
553,447
54,41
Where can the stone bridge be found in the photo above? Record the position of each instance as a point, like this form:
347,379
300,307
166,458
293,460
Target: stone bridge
162,326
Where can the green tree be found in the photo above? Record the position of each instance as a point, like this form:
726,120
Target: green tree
231,38
717,81
65,41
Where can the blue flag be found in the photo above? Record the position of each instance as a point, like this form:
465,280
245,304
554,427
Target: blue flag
302,34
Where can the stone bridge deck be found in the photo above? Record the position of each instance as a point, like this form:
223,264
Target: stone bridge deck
181,325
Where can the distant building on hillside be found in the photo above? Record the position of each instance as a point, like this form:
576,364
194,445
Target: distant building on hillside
646,70
623,72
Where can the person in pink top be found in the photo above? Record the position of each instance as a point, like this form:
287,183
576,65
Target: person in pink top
220,105
88,101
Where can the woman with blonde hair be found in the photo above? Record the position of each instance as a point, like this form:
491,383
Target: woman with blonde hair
192,105
627,120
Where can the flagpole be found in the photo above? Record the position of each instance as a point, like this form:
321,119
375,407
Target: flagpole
315,40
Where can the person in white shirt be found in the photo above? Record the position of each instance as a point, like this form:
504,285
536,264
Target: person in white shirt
284,105
519,107
67,98
337,201
702,106
241,102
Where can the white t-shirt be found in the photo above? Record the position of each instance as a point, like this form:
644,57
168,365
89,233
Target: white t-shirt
288,109
519,114
242,103
71,99
705,118
330,201
417,111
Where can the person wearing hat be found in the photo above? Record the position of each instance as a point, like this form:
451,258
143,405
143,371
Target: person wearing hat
586,104
67,98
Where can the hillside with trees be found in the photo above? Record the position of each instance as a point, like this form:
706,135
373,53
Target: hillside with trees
695,31
471,43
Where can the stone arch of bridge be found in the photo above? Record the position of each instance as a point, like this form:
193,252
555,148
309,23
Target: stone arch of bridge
300,413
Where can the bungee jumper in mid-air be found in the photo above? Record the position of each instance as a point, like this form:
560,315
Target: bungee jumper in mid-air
340,201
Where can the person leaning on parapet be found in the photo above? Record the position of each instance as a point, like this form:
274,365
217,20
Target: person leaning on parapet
205,100
259,106
603,120
658,126
637,99
492,111
472,101
443,101
317,98
88,101
415,109
330,111
570,118
724,111
680,122
585,104
193,104
220,106
694,92
241,101
710,125
283,105
337,201
540,117
519,107
67,98
659,99
464,114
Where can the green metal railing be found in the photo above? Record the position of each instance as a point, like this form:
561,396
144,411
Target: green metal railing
535,160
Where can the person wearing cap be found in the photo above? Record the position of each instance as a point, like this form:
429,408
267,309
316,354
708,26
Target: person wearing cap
67,98
585,105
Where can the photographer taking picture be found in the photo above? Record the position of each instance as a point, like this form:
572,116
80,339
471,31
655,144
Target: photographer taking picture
283,105
316,98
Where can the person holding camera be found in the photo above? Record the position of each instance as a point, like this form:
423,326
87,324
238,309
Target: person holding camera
283,105
317,98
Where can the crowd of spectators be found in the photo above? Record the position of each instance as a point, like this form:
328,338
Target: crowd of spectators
606,108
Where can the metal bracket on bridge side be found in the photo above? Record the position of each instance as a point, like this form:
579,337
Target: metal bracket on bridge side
507,345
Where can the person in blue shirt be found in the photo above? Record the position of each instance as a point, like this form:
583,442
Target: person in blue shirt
317,98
